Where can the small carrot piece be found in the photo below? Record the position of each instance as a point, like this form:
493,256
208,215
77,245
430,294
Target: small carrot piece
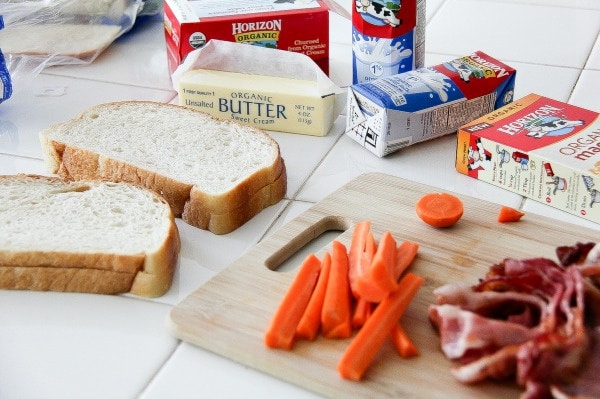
359,256
509,215
361,313
309,325
402,342
380,279
360,353
440,209
282,328
336,319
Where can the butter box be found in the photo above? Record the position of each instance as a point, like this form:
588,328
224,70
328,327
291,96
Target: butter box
390,113
286,92
540,148
299,26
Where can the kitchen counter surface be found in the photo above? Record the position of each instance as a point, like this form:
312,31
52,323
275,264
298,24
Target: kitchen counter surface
64,345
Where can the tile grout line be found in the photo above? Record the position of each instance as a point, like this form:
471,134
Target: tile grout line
584,68
153,377
294,197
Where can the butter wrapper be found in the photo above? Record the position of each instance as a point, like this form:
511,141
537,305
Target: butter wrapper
262,87
387,114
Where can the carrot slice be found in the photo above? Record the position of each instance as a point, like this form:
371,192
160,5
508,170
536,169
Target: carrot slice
362,311
359,355
309,325
380,279
402,342
439,209
282,328
361,252
336,312
509,215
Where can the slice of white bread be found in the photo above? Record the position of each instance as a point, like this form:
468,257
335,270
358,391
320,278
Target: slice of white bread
215,174
93,237
81,41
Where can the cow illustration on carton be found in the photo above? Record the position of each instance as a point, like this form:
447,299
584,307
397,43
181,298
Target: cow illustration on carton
552,126
378,13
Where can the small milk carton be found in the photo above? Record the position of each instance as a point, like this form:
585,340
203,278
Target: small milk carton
541,148
387,114
298,26
388,37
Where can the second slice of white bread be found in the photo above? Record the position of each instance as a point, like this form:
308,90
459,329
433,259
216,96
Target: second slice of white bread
94,237
215,174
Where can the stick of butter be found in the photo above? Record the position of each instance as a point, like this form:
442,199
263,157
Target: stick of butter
267,102
271,89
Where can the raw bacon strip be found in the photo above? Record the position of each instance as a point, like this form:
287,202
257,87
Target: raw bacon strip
462,331
498,365
586,386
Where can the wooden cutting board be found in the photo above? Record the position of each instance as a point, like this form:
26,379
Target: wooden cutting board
228,315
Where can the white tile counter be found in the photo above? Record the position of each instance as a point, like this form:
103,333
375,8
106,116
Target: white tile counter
57,345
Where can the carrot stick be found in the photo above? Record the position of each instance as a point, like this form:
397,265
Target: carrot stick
336,312
405,254
308,327
402,342
370,247
509,215
358,257
369,339
282,328
361,313
439,209
380,279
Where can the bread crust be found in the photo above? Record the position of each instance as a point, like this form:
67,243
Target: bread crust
61,279
199,211
218,213
148,274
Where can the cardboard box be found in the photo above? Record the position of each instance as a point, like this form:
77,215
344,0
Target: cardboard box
190,24
541,148
390,113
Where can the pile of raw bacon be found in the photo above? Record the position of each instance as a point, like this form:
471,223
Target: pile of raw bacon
533,320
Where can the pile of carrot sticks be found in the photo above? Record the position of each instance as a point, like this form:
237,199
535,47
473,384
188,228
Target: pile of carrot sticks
358,293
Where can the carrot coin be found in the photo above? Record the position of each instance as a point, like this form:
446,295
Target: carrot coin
439,209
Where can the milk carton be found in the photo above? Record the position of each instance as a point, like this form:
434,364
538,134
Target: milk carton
391,113
388,37
300,26
540,148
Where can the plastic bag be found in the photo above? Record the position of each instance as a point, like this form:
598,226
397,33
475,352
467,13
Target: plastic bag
35,34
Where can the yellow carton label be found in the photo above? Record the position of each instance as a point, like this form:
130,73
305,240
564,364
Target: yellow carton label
266,102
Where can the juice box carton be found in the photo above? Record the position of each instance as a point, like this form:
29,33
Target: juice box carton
390,113
388,37
538,147
299,26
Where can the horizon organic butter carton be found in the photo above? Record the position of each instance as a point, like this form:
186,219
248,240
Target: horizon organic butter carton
300,26
540,148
